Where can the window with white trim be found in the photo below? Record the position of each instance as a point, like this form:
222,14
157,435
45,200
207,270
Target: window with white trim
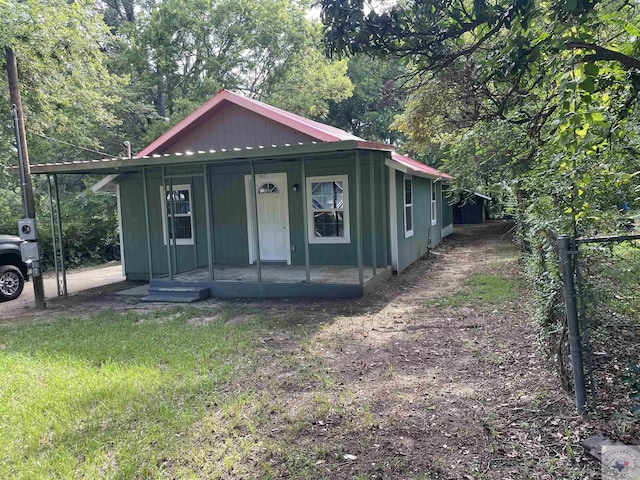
182,214
408,206
434,210
328,209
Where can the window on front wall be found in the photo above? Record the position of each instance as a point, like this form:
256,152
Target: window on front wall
328,209
408,206
434,218
180,228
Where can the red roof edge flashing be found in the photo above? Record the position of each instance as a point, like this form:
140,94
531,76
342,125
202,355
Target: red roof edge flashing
419,166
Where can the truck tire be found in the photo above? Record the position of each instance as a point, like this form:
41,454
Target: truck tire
11,282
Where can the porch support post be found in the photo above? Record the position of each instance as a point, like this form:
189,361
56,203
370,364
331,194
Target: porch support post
359,219
194,225
372,201
62,286
305,219
207,207
147,222
54,235
385,211
173,241
165,222
254,217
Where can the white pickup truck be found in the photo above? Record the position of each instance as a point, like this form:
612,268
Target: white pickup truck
13,271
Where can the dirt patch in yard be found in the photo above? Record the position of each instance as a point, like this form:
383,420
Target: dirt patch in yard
404,385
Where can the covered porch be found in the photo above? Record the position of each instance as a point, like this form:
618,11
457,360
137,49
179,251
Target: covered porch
205,234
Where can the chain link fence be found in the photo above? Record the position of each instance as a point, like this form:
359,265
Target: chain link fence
601,279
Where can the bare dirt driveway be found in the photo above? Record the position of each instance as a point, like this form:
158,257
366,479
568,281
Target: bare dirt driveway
77,281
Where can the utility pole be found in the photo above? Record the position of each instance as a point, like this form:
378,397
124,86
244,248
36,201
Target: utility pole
23,154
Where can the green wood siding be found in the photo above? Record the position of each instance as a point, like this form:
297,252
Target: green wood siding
134,230
424,234
229,217
447,210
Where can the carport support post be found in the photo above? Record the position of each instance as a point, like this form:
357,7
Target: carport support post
305,219
54,235
147,223
207,208
359,219
62,286
372,200
567,247
254,218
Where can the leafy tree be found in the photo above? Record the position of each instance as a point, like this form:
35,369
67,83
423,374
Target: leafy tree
179,53
68,96
555,80
378,96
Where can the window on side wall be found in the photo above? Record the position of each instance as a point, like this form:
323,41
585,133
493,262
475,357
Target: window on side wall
328,208
434,218
182,220
408,206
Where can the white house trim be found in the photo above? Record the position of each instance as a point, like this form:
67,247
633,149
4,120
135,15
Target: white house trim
393,219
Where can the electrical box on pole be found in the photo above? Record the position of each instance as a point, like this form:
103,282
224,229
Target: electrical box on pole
27,225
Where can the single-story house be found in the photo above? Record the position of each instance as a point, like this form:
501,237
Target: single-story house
242,199
470,207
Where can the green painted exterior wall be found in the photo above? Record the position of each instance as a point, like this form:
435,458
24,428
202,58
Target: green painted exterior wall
447,210
229,217
134,232
424,234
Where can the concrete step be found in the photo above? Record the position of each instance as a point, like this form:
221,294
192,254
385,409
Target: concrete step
177,294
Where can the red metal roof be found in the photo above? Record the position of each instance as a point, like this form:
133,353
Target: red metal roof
419,166
318,131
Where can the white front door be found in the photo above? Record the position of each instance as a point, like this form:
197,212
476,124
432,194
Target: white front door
273,217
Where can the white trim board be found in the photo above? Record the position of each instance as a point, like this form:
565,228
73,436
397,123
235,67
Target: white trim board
393,219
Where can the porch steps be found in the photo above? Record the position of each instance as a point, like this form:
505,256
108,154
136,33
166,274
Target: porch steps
176,294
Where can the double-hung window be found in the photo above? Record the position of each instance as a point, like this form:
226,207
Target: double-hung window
408,206
434,210
328,209
180,204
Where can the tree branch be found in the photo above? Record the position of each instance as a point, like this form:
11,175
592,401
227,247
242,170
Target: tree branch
602,53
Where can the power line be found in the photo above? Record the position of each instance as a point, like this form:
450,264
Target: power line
75,146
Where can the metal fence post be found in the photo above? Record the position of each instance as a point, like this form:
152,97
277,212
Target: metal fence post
566,246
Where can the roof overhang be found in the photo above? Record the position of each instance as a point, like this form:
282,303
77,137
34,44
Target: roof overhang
122,165
410,170
477,194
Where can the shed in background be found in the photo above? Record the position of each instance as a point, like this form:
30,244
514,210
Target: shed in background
471,207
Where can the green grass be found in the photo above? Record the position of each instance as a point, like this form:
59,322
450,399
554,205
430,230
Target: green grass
112,396
483,289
